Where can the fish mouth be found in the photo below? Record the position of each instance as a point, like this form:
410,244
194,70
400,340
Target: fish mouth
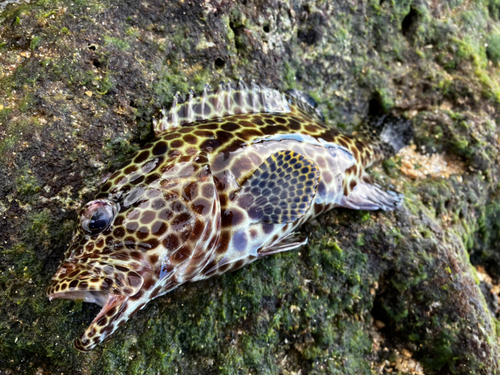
99,298
102,325
111,293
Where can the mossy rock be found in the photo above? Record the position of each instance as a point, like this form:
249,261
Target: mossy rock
80,82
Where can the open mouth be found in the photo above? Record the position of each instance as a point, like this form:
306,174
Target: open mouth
111,293
99,298
104,323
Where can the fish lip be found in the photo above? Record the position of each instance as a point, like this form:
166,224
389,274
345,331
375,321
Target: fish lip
79,281
109,302
89,338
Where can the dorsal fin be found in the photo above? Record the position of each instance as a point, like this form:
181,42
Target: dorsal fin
229,99
305,102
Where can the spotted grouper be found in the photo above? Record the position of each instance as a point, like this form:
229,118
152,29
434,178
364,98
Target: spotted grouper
229,179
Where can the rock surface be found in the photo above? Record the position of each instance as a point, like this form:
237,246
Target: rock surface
372,292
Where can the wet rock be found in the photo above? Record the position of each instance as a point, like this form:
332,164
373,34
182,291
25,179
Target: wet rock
80,82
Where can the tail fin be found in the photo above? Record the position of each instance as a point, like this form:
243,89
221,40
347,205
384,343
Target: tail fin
392,132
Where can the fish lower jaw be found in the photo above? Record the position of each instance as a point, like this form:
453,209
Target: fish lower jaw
104,324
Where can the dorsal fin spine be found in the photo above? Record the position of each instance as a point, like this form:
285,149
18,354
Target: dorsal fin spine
229,99
189,107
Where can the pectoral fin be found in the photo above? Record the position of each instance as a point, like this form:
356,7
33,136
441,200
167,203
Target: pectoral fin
290,242
281,190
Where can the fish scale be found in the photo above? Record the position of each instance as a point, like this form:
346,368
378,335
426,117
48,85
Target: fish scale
230,177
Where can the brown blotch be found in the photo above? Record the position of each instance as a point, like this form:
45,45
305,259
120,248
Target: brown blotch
355,153
310,128
190,138
150,244
352,170
72,274
171,242
119,220
232,217
129,242
346,190
224,137
102,321
135,255
89,246
177,143
280,120
158,228
115,175
144,155
209,126
132,226
224,199
190,191
257,120
230,126
142,233
158,204
73,284
137,296
367,179
274,129
157,291
201,206
248,134
153,259
119,232
180,221
359,145
203,133
224,268
160,148
148,283
237,265
209,145
342,142
147,217
100,243
224,240
130,169
293,124
247,124
106,186
182,254
165,215
169,137
152,178
198,229
101,195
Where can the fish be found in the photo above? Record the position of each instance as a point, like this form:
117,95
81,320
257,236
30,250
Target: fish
230,177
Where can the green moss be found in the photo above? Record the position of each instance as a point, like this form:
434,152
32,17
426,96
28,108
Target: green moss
116,42
308,310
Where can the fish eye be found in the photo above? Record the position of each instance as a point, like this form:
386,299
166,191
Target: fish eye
97,216
100,220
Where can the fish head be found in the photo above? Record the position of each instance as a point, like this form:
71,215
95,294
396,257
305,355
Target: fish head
146,228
